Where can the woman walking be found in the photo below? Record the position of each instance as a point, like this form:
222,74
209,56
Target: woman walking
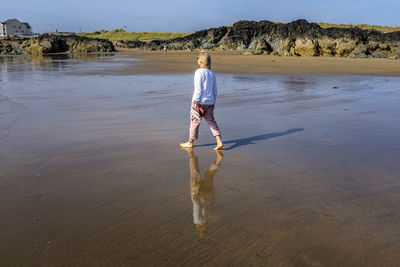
203,101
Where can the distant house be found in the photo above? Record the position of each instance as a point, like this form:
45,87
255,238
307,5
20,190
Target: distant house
15,27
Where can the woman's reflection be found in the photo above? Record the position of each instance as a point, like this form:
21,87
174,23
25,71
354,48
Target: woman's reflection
202,190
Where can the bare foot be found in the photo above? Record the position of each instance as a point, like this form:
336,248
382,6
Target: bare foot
219,143
219,147
188,144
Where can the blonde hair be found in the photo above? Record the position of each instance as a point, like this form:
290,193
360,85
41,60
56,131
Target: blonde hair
205,58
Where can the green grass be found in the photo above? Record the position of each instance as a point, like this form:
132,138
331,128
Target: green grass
379,28
384,29
120,34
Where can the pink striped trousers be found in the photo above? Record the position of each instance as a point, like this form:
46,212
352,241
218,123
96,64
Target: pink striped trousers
209,118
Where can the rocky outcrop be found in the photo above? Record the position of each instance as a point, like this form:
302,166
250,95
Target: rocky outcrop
298,38
45,44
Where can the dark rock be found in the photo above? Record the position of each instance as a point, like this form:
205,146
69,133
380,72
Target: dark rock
45,44
297,38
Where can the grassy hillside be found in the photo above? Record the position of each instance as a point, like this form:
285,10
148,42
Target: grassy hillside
361,26
379,28
120,34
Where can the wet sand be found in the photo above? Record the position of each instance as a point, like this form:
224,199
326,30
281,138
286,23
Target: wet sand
238,62
91,173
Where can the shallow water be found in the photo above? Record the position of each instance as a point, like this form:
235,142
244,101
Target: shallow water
91,173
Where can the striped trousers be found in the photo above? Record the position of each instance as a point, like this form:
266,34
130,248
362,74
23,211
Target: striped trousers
208,117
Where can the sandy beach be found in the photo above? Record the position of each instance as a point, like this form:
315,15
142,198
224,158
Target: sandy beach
91,173
238,62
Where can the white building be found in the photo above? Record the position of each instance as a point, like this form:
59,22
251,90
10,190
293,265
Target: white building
15,27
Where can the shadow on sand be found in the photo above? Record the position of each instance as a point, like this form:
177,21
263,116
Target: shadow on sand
251,140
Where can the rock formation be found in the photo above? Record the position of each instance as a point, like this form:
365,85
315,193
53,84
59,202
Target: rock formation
53,44
298,38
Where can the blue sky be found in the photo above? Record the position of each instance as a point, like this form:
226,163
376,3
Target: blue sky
189,16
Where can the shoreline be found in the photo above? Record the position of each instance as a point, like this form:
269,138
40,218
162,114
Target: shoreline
236,62
180,61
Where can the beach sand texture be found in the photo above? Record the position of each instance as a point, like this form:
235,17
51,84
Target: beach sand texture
91,173
238,62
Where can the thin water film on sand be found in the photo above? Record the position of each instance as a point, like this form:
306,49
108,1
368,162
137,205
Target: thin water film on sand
91,173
